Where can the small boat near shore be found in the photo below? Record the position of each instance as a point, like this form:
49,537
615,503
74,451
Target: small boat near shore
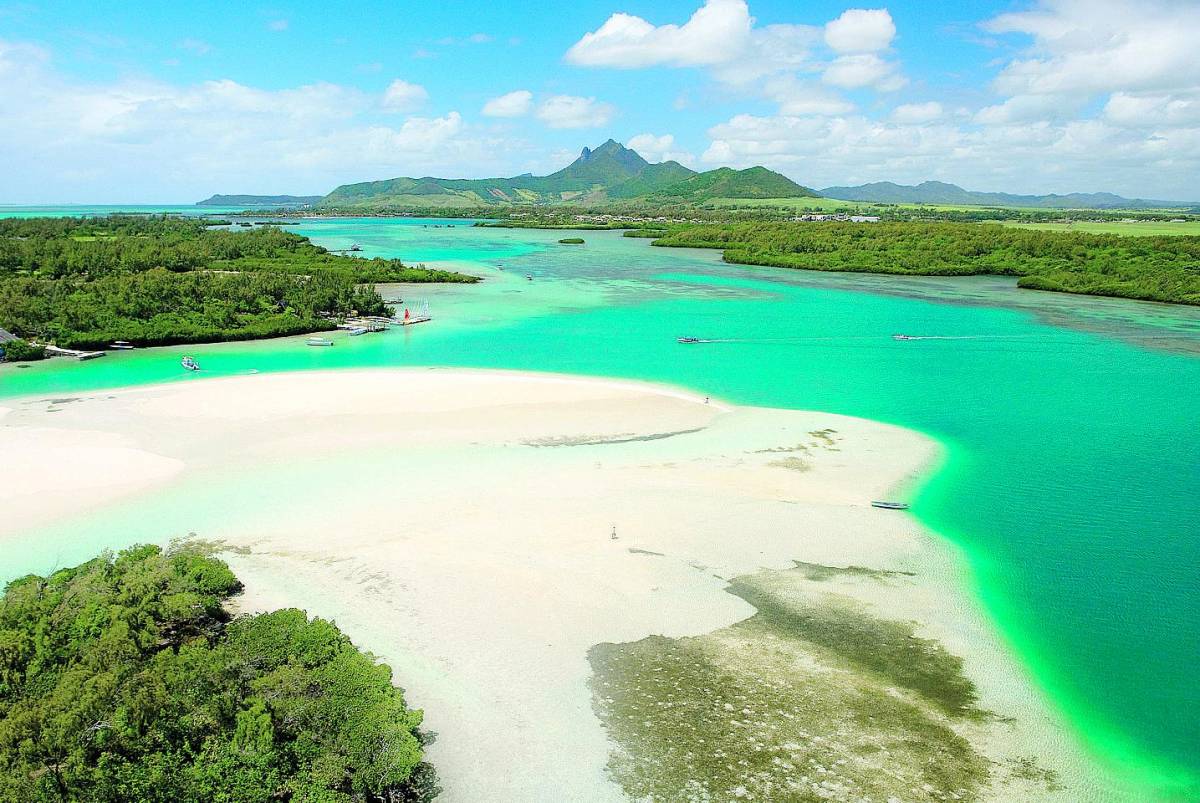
687,340
189,364
121,345
889,505
903,337
319,341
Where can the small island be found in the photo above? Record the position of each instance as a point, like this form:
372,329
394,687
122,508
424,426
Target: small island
571,241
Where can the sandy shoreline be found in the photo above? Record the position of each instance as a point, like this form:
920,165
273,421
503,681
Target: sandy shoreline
459,525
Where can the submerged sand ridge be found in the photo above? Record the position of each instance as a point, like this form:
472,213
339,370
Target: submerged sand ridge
460,524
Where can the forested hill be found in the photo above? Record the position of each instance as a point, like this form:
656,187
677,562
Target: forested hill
937,192
260,200
609,172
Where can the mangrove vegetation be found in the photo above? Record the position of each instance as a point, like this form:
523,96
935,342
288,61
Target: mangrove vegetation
1147,268
126,678
157,280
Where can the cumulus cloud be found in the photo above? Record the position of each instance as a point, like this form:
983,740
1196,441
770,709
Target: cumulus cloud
401,96
798,97
1028,108
659,149
723,38
916,113
98,141
1102,46
512,104
1153,110
569,111
860,30
708,37
1078,155
862,70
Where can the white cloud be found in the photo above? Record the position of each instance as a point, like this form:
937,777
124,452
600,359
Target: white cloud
756,61
568,111
1153,110
512,104
800,98
862,70
1027,109
860,30
1102,46
659,149
718,28
916,113
1078,155
401,96
136,140
277,25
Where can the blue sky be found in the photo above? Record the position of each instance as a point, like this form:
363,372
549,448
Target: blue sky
127,102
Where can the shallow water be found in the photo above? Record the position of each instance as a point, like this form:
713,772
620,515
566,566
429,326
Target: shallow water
1072,468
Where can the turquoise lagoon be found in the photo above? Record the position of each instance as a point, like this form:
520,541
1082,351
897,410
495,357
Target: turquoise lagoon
1072,477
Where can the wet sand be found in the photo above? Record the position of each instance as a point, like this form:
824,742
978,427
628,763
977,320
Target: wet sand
482,531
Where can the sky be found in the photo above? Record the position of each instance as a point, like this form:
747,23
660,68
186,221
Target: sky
138,102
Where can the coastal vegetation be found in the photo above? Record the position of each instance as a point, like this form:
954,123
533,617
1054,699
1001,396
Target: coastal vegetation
126,678
18,350
1148,268
150,280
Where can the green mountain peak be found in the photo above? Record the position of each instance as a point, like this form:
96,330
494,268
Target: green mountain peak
607,172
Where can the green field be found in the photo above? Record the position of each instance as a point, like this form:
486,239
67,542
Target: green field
800,204
833,205
1141,228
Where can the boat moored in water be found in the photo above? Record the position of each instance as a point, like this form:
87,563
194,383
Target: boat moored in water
121,345
889,505
687,339
319,341
903,337
190,364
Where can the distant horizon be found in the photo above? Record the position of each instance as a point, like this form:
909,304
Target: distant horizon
52,204
121,104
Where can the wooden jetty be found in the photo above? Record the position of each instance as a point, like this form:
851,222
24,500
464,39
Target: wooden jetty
56,351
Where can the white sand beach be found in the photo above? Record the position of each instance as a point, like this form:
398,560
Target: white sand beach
481,531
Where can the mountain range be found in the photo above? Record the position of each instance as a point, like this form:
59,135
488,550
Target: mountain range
613,173
937,192
610,172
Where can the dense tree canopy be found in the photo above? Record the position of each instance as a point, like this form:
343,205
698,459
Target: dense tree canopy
151,280
124,679
1150,268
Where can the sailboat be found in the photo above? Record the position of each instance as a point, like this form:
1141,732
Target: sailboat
421,316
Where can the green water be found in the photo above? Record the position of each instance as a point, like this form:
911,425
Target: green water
1072,476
